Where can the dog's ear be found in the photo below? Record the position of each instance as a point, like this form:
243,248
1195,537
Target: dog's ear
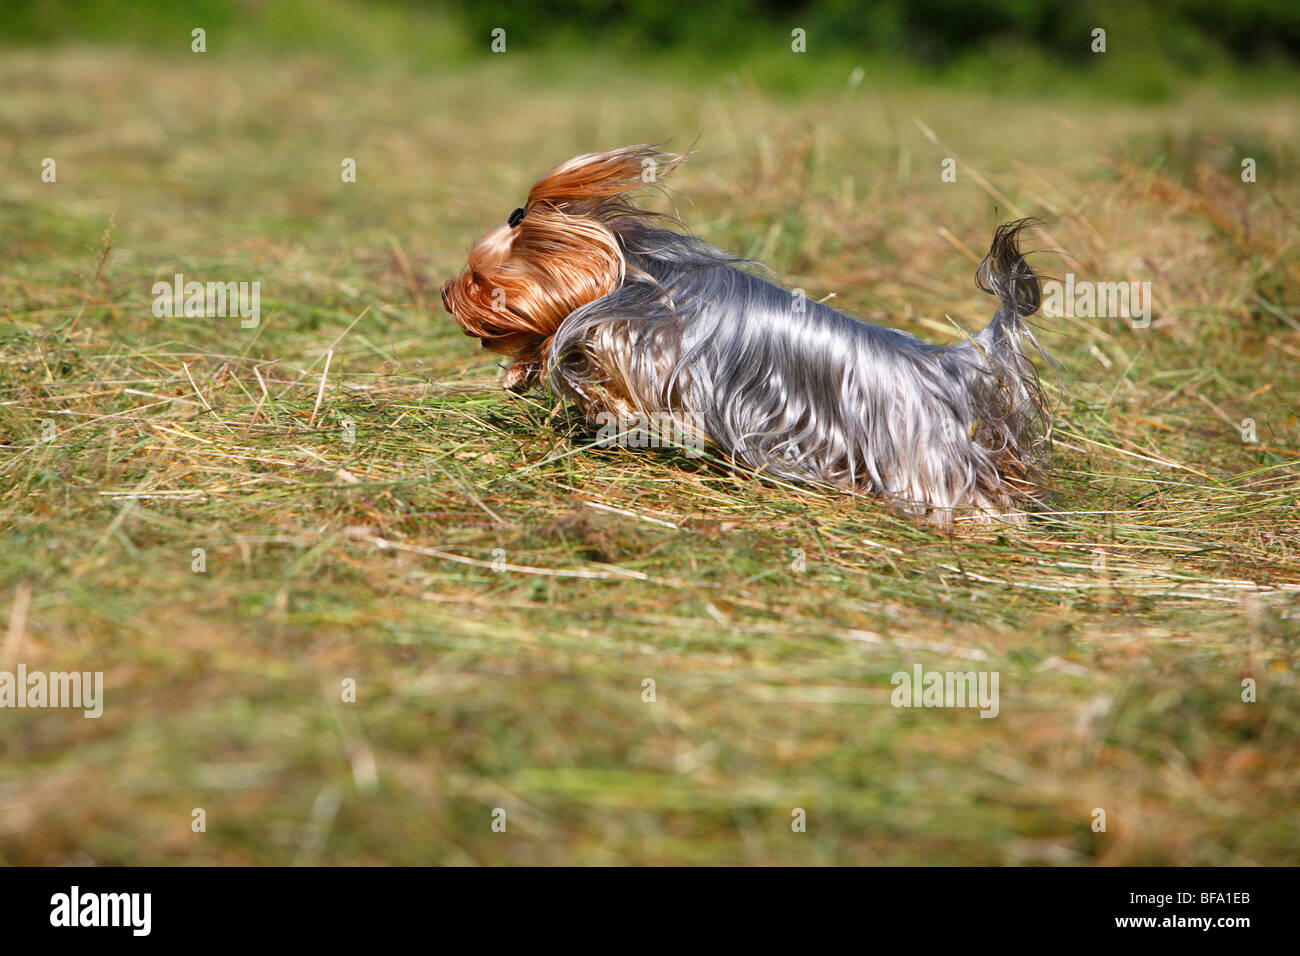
592,184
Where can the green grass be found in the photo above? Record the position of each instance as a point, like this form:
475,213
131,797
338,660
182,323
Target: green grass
1122,624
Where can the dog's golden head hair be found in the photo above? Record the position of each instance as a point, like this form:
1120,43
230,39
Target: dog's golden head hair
556,253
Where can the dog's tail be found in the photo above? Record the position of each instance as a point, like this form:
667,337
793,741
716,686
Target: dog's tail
1007,274
1020,421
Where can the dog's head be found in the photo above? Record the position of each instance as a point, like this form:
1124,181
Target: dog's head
555,254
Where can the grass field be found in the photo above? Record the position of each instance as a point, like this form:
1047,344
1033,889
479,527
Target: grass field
1122,623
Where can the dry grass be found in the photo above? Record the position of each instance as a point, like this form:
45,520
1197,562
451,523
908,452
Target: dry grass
1122,623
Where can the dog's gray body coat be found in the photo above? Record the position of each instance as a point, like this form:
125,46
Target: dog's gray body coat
799,390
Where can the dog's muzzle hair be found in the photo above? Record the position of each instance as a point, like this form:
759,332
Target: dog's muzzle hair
591,294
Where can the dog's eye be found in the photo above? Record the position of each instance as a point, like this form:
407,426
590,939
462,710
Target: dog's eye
475,277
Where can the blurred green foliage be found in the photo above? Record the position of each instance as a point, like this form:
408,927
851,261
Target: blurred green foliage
1004,45
931,31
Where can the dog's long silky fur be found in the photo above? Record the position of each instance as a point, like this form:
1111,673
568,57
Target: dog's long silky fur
621,314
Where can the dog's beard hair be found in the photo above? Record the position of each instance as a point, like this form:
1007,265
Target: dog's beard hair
813,395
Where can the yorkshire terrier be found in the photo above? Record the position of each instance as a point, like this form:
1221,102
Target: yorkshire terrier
592,294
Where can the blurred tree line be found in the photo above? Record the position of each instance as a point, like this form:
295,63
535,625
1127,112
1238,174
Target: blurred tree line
927,33
931,31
